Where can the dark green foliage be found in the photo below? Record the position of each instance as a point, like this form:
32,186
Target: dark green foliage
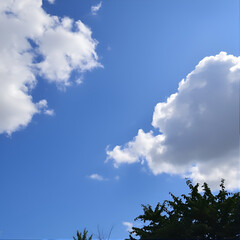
194,216
100,235
82,236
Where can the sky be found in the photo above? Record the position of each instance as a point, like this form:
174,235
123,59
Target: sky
107,105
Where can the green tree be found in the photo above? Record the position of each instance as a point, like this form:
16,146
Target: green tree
100,235
194,216
83,236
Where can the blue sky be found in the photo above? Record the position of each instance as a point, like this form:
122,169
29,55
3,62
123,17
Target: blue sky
70,97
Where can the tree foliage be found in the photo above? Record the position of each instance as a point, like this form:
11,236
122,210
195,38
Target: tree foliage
100,235
83,236
193,216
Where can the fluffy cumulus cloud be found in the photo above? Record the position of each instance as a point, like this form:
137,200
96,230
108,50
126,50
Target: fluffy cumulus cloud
35,43
198,127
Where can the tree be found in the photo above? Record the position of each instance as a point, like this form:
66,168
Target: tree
100,235
193,216
83,236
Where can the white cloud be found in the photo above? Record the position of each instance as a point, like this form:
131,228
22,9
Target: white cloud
129,226
33,42
96,8
51,1
65,50
198,127
49,112
79,80
97,177
42,107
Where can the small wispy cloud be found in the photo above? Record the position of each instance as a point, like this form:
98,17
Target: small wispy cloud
95,9
51,1
43,108
97,177
49,112
129,226
79,80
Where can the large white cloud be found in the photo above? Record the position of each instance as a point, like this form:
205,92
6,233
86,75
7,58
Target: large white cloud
33,43
198,127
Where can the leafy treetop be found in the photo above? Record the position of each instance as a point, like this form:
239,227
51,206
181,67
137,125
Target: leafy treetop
194,216
83,236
